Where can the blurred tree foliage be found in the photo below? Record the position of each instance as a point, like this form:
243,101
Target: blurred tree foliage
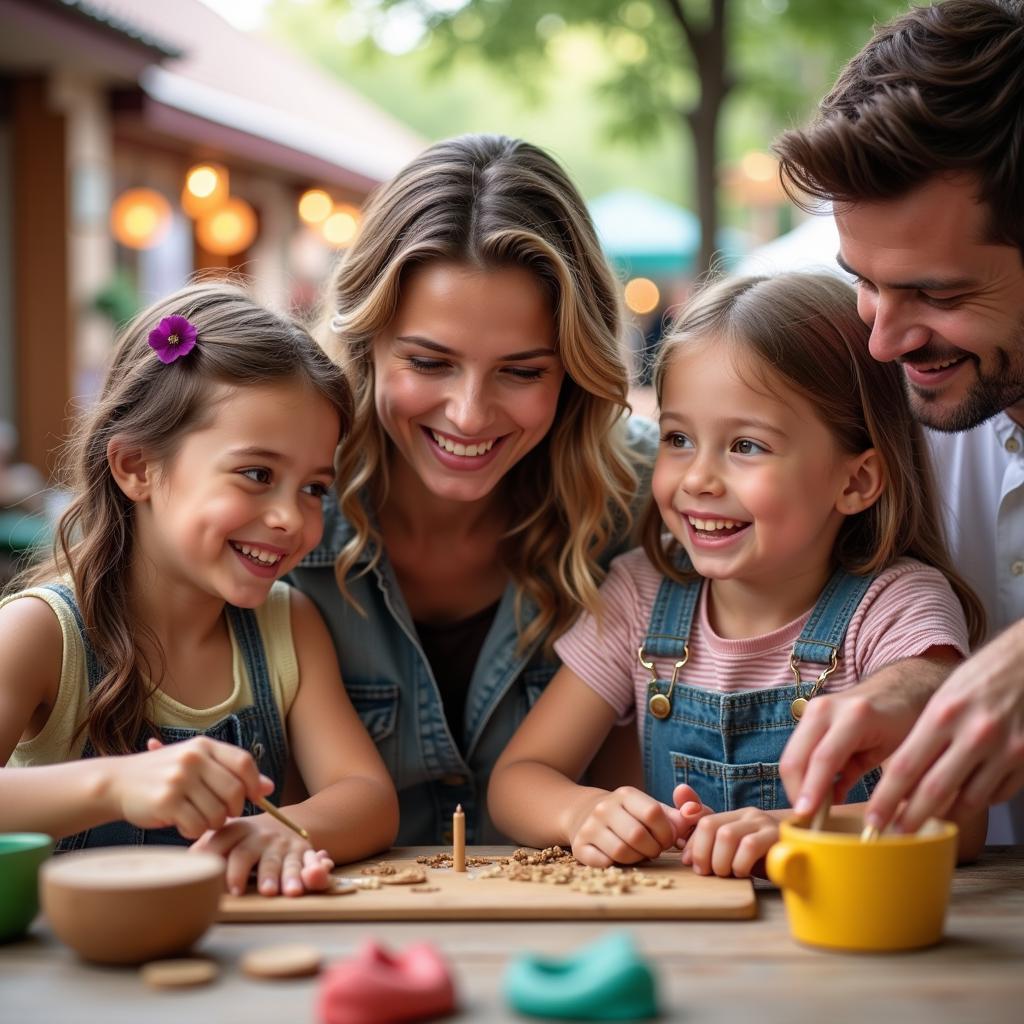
668,66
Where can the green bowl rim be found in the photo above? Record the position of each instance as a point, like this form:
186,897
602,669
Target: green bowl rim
31,842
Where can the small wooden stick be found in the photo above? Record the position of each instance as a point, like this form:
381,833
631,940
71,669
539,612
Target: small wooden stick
459,839
819,822
266,805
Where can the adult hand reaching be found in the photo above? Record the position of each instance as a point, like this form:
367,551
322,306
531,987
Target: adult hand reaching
841,736
967,748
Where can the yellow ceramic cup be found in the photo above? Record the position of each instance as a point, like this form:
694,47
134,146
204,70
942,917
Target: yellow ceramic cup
839,892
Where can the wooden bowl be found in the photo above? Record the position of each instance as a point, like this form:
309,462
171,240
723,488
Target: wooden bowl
125,906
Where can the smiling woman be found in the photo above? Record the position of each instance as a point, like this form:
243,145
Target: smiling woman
491,471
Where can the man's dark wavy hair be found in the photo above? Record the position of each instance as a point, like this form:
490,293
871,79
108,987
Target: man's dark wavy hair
939,90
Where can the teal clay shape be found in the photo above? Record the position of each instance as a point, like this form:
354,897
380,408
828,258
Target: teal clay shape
606,980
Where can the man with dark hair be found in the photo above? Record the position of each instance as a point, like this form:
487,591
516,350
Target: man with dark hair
920,148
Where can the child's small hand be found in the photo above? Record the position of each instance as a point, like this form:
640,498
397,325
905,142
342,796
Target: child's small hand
194,785
689,810
624,827
731,843
285,863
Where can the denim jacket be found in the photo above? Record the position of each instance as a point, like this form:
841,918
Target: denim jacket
390,682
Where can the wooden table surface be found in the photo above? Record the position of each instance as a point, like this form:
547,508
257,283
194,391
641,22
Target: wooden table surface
709,971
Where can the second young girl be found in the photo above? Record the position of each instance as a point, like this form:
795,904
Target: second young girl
155,676
803,553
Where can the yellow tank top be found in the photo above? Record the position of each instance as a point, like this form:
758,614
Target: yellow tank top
53,743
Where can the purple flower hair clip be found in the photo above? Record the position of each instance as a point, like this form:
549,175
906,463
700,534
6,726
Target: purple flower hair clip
172,338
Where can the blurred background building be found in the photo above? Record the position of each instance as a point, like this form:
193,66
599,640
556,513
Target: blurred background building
144,140
141,141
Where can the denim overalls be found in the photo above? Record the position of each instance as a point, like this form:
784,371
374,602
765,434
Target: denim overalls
256,728
727,745
392,687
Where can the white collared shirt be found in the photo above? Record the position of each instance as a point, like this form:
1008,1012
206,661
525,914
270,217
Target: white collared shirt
980,476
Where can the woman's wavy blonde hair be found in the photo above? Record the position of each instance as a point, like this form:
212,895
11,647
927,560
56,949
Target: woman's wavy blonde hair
491,202
802,330
153,406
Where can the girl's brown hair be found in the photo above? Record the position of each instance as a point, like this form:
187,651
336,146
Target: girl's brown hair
491,202
803,330
153,406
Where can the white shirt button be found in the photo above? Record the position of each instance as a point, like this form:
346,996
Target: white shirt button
1017,568
1012,444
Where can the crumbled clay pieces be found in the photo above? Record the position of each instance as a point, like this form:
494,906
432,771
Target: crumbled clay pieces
555,866
410,876
295,961
183,973
445,860
551,866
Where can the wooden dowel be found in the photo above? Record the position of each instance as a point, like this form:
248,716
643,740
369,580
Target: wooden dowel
266,805
459,839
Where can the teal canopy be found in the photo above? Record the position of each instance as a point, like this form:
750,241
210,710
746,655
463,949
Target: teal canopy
644,235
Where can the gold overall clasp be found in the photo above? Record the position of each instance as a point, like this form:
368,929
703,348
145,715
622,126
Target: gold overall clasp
660,704
799,705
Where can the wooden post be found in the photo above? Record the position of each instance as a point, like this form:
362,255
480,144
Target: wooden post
43,340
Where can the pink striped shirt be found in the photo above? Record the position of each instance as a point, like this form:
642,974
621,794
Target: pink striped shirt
908,609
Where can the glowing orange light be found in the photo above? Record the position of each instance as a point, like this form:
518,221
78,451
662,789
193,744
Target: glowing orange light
315,206
205,190
341,227
140,218
228,230
760,166
642,295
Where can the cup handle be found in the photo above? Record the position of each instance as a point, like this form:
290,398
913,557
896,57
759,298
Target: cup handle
788,868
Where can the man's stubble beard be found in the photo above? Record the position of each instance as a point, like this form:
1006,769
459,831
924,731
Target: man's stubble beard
989,395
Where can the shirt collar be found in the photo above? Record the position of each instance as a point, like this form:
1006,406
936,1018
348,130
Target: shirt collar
1005,428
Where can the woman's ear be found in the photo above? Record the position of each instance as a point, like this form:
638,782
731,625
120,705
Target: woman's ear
863,485
130,469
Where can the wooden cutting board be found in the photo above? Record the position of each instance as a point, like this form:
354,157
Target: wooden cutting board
464,896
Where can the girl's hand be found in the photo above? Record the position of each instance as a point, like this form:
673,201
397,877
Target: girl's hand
194,785
285,863
624,827
689,810
731,843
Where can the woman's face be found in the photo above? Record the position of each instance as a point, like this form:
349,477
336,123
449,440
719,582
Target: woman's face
466,375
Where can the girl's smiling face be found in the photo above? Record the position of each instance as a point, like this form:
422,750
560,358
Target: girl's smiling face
239,503
467,376
748,478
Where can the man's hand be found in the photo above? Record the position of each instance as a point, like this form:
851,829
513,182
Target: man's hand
843,735
967,748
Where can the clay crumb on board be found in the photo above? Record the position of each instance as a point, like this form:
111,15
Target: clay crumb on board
410,876
444,860
555,866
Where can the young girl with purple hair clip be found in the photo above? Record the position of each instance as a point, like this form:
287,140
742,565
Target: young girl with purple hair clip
155,675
